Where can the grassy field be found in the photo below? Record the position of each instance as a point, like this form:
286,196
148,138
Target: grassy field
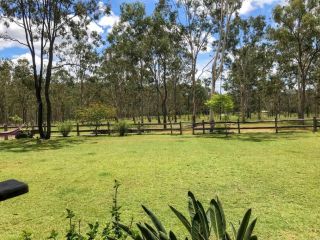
276,175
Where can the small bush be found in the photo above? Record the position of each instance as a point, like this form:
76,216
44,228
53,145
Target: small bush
122,128
65,128
24,134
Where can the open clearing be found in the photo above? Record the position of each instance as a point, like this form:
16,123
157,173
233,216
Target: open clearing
276,175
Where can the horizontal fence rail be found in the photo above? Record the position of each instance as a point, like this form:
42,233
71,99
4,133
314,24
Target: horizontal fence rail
178,128
109,128
276,125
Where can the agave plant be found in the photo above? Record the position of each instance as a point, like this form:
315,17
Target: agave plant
148,232
205,225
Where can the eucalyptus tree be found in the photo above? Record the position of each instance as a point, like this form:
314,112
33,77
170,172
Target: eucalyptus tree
165,46
5,81
297,38
21,93
222,14
45,25
251,65
128,41
80,58
195,27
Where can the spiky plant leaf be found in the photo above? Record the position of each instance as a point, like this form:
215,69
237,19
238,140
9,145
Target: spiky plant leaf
172,236
192,205
205,231
217,221
182,218
244,225
163,236
222,212
146,233
127,230
151,229
155,220
250,229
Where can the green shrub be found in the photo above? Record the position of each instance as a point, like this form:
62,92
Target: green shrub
65,128
122,128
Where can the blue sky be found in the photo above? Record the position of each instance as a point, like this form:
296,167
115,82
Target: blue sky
250,8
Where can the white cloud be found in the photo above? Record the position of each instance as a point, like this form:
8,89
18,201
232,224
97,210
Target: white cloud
105,24
251,5
13,31
108,21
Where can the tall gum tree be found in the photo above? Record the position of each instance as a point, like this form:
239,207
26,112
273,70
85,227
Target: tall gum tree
46,23
222,13
297,37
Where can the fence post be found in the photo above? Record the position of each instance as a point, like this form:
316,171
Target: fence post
276,124
5,129
171,127
32,129
108,125
238,126
139,128
203,127
193,125
78,130
180,128
315,124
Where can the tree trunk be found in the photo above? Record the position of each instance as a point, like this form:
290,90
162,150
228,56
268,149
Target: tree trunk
175,100
141,92
165,97
193,76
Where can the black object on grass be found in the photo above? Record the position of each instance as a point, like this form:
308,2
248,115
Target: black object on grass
12,188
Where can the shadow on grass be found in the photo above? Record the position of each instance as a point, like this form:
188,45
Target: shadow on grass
256,137
28,145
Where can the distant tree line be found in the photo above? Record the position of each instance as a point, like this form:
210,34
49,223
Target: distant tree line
147,65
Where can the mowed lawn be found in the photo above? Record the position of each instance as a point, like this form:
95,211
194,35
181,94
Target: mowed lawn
278,176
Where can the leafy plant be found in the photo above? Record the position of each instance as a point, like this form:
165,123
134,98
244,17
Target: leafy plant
158,232
16,119
203,222
65,128
95,114
221,103
122,128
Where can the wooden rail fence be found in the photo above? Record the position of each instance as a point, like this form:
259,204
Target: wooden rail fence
276,125
109,128
196,128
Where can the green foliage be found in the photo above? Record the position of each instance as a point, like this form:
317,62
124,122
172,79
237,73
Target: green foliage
15,119
95,113
206,224
115,212
122,128
65,128
221,103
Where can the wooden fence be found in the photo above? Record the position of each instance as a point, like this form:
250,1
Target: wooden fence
109,128
237,126
203,127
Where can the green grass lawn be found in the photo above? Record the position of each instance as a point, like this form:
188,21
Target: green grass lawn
276,175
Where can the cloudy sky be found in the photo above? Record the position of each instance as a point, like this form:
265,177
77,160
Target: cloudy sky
15,51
